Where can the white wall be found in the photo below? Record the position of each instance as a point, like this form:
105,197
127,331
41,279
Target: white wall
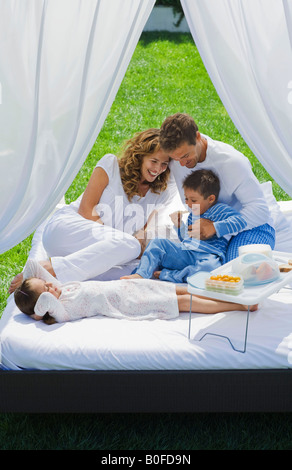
162,19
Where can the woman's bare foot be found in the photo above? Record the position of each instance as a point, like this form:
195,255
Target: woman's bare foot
156,274
132,276
16,282
18,279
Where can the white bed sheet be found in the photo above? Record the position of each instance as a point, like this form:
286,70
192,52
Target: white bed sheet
102,343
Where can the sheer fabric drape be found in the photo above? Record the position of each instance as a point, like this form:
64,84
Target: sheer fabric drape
61,64
246,46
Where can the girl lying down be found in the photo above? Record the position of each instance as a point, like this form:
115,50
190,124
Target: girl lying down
43,297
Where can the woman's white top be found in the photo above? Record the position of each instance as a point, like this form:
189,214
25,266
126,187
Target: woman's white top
114,207
134,299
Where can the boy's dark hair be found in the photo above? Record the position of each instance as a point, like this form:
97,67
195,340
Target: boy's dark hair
26,298
176,130
206,182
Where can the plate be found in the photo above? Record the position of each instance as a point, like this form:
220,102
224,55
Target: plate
198,279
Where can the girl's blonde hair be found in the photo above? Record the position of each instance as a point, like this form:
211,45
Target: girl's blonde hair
141,145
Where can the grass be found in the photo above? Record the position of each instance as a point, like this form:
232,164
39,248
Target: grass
143,432
166,75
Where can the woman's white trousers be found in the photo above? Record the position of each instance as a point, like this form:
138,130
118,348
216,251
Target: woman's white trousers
81,249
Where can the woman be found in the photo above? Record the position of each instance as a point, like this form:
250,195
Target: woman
96,232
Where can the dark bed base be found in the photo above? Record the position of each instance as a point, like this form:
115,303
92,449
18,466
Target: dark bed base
146,391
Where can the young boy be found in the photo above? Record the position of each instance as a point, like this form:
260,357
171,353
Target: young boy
172,261
181,139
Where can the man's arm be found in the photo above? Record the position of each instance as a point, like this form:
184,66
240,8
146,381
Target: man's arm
219,220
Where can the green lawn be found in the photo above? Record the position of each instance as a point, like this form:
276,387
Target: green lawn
166,75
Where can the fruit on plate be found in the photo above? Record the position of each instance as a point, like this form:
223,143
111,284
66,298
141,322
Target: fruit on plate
225,277
226,283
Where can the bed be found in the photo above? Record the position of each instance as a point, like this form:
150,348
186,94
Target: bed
104,365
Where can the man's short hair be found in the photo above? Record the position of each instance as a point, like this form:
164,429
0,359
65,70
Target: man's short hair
176,130
206,182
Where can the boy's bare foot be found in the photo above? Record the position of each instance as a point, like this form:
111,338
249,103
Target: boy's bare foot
132,276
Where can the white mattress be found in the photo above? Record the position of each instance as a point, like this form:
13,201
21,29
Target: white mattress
102,343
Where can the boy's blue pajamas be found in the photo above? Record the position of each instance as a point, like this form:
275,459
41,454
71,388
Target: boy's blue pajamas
178,260
175,262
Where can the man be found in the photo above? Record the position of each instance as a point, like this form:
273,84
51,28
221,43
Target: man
189,150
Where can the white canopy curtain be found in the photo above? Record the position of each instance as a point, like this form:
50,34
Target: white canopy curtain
61,65
246,46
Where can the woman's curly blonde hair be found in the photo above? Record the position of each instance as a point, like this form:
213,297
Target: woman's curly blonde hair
141,145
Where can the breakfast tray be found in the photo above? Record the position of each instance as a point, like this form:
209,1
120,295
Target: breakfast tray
250,295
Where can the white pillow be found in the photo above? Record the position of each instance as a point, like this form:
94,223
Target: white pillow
282,225
280,221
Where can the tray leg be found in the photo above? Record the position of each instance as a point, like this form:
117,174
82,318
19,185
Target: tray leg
221,336
190,317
